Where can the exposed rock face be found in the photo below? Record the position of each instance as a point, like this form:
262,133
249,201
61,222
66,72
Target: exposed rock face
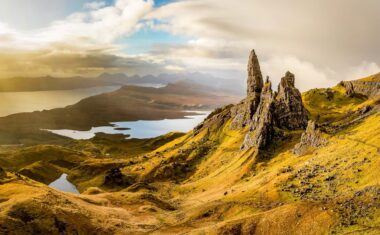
261,132
218,116
311,138
244,111
290,112
369,88
349,88
115,178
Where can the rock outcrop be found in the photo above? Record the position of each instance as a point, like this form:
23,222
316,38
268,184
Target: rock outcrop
244,111
261,131
255,78
350,92
262,110
311,138
290,112
369,87
283,110
115,178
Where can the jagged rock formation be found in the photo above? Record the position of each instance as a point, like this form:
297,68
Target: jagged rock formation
263,110
311,138
367,87
283,109
290,112
244,111
261,132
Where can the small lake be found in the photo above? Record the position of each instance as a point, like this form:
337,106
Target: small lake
64,185
139,129
17,102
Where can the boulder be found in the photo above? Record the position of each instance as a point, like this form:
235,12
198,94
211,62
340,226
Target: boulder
311,138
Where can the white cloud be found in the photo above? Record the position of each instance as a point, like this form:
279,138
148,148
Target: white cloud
174,68
312,39
96,28
320,35
307,75
363,70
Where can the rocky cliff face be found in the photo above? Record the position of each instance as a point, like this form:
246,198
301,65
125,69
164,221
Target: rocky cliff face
367,87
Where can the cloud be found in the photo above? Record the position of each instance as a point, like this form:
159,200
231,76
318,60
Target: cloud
323,38
100,26
44,62
307,75
321,42
87,35
363,70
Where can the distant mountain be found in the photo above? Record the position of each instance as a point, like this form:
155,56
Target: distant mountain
231,86
49,83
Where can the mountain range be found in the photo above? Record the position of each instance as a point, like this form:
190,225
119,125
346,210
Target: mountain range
232,86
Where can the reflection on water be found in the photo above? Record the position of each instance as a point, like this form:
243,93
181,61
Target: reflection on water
64,185
16,102
139,129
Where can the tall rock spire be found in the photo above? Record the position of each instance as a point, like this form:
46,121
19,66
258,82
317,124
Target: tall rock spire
261,131
255,78
243,112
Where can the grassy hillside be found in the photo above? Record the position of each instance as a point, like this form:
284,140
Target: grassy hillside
203,182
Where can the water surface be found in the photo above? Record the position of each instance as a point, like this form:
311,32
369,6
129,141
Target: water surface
64,185
141,129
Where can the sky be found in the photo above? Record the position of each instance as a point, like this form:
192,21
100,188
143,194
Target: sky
322,42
